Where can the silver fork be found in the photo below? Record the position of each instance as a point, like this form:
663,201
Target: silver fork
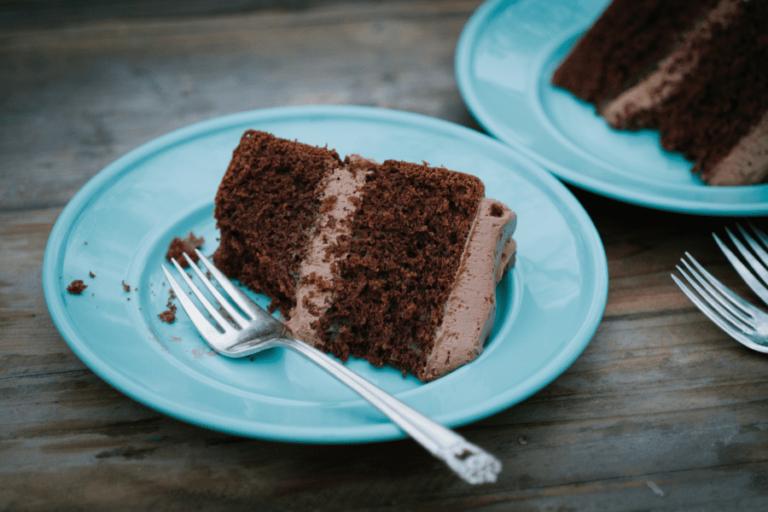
754,260
737,317
258,330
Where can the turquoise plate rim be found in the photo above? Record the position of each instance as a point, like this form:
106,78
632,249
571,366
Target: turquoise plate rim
335,434
674,198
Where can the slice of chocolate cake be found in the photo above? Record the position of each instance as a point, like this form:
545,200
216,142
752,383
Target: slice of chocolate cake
706,90
626,43
395,263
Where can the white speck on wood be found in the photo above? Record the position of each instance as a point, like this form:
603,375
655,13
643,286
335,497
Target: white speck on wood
655,488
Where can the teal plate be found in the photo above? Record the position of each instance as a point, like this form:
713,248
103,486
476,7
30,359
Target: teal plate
505,59
120,224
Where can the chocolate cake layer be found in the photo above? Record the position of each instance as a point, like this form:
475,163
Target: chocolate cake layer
398,264
625,44
635,107
266,208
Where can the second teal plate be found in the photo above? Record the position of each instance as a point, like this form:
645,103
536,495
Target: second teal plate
505,59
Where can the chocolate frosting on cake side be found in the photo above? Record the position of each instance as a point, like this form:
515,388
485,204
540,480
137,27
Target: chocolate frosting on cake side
471,309
339,191
746,163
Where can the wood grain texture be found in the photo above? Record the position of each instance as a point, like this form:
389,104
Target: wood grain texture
662,411
76,98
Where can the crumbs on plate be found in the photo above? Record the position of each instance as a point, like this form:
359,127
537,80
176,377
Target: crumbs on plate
76,287
187,245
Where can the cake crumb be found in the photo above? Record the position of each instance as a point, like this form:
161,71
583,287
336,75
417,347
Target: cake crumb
126,287
188,245
91,274
169,316
76,287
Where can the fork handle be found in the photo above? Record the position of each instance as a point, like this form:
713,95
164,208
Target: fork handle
467,460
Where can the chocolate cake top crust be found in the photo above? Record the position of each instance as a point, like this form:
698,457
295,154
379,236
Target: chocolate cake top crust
606,60
266,207
398,263
725,95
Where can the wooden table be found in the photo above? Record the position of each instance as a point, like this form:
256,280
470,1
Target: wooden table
662,411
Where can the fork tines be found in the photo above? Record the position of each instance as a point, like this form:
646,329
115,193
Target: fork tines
207,330
737,317
757,258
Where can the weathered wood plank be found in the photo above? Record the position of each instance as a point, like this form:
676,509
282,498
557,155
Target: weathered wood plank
76,98
53,13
